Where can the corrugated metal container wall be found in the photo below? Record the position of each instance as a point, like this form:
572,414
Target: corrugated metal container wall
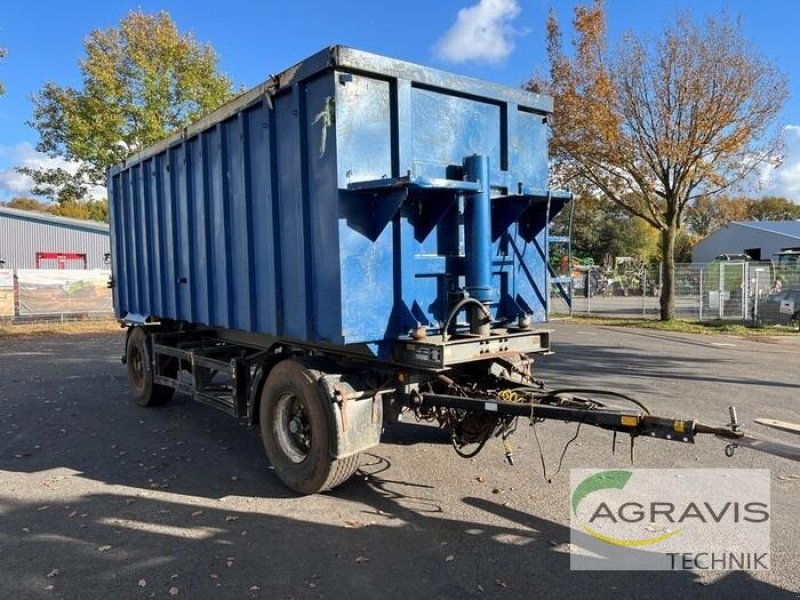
326,205
23,234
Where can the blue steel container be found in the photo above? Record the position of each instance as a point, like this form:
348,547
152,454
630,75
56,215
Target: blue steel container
328,205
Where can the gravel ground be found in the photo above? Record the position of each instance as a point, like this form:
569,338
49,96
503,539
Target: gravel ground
100,498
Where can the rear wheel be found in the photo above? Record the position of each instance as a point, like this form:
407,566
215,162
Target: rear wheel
140,375
296,430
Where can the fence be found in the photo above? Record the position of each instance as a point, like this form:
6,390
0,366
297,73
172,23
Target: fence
48,293
752,292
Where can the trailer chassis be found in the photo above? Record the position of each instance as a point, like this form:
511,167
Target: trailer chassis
312,401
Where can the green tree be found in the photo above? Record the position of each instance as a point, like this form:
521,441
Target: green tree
27,204
709,213
774,208
601,230
92,210
657,123
141,81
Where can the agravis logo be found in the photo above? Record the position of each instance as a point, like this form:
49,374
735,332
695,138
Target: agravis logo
669,519
603,481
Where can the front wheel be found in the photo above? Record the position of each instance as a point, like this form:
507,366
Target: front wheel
296,430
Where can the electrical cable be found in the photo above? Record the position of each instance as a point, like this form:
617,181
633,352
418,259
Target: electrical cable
555,393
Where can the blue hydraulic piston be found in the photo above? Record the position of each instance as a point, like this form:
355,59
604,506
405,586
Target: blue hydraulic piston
478,241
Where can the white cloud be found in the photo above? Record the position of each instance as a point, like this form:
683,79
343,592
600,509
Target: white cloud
481,33
25,155
785,179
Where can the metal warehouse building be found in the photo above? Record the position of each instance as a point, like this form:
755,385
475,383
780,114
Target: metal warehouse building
30,240
758,239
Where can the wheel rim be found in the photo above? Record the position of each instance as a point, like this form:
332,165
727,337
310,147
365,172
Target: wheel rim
292,427
136,361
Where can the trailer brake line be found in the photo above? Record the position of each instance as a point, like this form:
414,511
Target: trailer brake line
556,393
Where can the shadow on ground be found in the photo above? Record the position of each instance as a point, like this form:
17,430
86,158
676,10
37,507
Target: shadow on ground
400,544
141,501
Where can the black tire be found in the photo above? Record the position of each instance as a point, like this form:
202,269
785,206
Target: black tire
140,377
296,431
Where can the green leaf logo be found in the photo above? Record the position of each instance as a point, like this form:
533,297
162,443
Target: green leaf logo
610,480
599,481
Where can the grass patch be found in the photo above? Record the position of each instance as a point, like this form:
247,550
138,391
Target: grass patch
682,326
46,328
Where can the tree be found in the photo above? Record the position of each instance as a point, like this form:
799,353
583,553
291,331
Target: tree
774,208
601,229
709,213
92,210
141,81
26,204
656,124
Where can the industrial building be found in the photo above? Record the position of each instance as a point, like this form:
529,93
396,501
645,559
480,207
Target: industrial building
33,240
760,240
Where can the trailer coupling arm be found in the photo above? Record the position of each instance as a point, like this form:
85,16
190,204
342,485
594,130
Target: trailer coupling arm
472,420
614,419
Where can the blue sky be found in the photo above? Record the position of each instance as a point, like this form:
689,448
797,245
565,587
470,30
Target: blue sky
44,40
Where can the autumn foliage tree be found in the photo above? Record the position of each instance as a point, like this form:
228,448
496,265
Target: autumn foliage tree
141,81
707,214
655,124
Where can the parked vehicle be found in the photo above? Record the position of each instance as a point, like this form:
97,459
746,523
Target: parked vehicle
355,237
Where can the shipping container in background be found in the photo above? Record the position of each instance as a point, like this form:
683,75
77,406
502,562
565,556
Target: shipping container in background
355,238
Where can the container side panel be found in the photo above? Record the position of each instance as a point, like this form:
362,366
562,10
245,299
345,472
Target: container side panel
290,199
118,245
199,273
167,220
402,129
446,128
143,239
323,208
528,276
221,292
182,233
363,128
529,147
131,237
156,225
187,187
205,147
150,225
265,293
366,288
239,234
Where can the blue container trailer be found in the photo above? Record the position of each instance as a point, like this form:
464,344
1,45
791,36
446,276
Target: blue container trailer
354,236
329,205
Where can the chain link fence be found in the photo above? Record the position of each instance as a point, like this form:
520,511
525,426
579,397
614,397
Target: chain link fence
46,294
747,292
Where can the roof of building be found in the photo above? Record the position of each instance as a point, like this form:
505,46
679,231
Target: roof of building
787,228
48,219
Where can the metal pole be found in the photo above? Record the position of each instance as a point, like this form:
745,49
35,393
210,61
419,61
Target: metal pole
589,291
478,241
745,289
700,296
644,291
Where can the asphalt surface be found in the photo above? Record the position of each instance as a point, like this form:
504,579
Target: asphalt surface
102,499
